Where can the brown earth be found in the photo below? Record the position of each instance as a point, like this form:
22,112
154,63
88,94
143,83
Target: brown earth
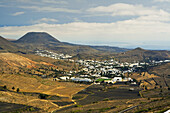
26,82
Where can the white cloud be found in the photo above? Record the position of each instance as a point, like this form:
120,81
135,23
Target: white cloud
77,20
122,9
17,13
45,20
162,0
49,9
54,2
123,31
150,25
26,1
142,13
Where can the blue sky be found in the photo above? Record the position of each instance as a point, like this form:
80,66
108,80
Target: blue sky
122,23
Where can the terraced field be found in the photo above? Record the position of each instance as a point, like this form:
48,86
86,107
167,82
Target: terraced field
8,107
98,93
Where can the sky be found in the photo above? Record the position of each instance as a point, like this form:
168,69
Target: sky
121,23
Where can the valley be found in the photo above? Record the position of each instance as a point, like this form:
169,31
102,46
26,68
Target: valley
38,73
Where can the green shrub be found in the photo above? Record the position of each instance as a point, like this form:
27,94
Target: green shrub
143,110
77,97
43,96
5,87
17,89
106,99
76,111
78,105
13,88
104,109
164,110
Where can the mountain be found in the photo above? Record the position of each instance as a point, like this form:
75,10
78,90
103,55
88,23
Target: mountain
42,40
37,38
140,54
7,46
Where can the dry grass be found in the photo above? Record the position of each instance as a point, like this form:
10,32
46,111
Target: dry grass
60,64
15,71
145,79
110,106
163,69
37,84
11,97
16,60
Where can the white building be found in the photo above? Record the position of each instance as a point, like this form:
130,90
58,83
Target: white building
64,78
117,79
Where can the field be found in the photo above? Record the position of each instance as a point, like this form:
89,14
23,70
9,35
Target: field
30,88
60,64
99,93
24,88
151,94
8,107
97,98
21,82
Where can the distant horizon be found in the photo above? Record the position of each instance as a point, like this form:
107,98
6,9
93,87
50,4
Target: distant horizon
123,23
97,44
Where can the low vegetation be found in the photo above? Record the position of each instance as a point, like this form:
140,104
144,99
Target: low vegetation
29,82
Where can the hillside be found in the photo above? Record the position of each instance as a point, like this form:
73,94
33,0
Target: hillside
140,54
163,69
33,65
19,72
42,40
109,49
6,45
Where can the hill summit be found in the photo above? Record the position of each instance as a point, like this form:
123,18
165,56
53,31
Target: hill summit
37,38
139,49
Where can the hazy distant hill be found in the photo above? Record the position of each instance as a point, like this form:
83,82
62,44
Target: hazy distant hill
6,45
42,40
140,54
109,49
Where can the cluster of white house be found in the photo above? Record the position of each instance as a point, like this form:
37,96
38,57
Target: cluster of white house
113,67
97,80
96,68
97,71
46,53
109,70
76,79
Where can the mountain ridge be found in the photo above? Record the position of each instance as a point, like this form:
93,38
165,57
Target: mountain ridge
139,54
43,40
7,46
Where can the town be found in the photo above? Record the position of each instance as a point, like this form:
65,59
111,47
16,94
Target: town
46,53
97,72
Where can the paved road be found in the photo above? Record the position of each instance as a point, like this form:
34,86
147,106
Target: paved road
128,109
63,109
